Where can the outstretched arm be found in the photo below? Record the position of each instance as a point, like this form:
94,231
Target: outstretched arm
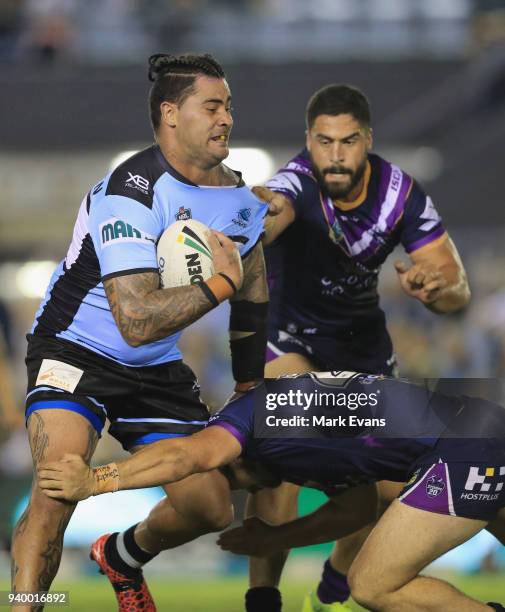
159,463
340,516
281,212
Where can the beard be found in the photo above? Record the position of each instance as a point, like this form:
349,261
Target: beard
337,191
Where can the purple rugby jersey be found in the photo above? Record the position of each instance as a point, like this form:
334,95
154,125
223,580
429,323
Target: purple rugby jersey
450,449
323,270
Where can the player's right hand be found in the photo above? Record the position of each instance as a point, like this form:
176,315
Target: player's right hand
254,538
276,201
70,478
226,257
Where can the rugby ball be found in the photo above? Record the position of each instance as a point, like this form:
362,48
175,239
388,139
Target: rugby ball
184,255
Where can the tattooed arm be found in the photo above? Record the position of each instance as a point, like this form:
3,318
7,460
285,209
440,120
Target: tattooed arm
144,312
248,322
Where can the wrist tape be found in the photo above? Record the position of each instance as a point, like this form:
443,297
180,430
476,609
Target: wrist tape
106,479
218,288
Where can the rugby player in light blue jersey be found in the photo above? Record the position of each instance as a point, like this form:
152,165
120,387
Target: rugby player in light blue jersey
345,210
450,450
104,340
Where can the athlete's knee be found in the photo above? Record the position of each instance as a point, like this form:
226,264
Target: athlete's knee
216,517
364,591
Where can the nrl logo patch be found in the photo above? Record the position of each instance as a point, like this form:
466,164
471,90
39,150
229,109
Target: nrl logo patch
243,216
434,486
183,214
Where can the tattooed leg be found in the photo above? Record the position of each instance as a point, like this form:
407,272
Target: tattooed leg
38,536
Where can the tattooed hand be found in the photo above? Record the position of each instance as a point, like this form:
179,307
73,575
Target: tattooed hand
70,479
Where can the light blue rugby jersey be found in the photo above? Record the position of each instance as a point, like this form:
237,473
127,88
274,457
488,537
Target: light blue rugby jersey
117,228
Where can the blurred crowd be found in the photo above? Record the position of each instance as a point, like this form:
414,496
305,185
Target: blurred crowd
121,31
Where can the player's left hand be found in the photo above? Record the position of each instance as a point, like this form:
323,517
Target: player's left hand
423,281
70,479
254,538
274,200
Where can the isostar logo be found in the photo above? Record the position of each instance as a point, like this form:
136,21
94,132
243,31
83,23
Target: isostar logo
434,485
116,230
243,216
188,238
137,182
184,214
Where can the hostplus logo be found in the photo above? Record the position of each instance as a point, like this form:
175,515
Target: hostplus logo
115,230
243,216
486,486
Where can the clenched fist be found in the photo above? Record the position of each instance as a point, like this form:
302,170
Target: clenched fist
423,281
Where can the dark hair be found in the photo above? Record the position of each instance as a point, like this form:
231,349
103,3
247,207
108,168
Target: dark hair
339,99
173,78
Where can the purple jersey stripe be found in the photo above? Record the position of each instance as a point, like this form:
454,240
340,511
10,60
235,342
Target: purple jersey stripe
241,439
440,231
387,212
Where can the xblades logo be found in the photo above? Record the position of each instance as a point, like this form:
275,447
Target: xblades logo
137,182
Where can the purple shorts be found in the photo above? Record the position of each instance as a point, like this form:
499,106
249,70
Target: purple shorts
471,485
373,356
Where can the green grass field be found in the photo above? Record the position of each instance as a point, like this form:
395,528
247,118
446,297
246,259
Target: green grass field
226,594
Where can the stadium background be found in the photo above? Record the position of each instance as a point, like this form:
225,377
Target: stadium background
73,83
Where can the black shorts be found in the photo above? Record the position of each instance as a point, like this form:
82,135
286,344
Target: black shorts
368,350
143,404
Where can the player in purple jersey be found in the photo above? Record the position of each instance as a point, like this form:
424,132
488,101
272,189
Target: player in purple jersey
344,211
111,267
455,485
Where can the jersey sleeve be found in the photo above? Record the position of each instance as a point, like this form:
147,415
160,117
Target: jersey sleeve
295,186
255,226
421,223
124,233
237,417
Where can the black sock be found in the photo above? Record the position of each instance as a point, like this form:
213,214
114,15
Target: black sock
263,599
496,606
124,554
